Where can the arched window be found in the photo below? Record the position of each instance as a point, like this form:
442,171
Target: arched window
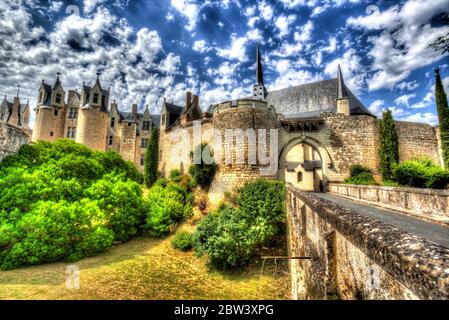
299,176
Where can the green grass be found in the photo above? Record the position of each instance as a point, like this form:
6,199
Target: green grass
146,268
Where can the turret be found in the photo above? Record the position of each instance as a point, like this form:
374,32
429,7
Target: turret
342,95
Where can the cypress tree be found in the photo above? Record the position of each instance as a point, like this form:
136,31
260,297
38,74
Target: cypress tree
443,116
389,146
151,159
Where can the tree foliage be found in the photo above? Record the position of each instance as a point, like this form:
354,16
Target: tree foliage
443,116
202,172
151,159
389,146
231,236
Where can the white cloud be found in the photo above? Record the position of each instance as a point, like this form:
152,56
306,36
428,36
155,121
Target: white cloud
427,117
201,46
237,50
404,100
283,23
403,45
265,10
90,5
411,85
188,9
376,107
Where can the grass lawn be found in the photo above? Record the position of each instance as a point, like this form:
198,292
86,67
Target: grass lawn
146,268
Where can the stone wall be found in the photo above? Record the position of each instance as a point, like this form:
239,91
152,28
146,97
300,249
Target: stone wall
356,257
11,138
418,140
428,203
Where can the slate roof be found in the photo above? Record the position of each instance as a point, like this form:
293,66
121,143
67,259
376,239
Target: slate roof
173,108
127,116
311,99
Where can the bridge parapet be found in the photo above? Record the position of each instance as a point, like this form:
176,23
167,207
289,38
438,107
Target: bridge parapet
429,204
357,257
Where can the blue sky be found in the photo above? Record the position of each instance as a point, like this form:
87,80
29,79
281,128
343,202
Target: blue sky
149,49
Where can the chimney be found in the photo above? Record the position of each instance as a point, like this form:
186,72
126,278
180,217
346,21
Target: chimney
134,112
71,94
196,100
188,98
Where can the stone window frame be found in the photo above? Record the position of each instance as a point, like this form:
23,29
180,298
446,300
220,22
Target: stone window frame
142,159
73,113
55,112
112,122
146,125
58,98
52,133
95,98
110,140
143,142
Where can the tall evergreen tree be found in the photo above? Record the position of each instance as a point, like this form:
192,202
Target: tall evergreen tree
389,146
151,159
443,116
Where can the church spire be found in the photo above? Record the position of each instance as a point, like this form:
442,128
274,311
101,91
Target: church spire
259,71
58,81
342,93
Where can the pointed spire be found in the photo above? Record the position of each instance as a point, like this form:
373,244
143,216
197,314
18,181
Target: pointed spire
98,79
342,92
58,81
259,71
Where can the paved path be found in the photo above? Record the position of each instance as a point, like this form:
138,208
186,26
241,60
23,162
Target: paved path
428,230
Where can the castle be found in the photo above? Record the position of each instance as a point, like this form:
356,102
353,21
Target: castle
87,118
315,131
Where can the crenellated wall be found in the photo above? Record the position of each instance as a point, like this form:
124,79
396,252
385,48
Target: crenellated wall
356,257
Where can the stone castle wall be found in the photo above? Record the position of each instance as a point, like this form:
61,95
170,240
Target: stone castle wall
11,138
418,140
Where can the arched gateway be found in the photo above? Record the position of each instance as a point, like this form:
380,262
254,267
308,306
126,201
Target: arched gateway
304,163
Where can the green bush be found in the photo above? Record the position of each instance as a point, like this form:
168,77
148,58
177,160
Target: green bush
175,175
52,231
202,173
62,200
122,203
166,206
421,173
182,241
231,236
360,175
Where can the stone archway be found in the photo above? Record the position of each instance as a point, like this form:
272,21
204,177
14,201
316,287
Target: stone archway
304,163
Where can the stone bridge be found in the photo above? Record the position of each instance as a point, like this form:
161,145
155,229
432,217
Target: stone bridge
359,251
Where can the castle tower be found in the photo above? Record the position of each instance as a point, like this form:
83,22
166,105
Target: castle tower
342,95
259,91
50,112
92,126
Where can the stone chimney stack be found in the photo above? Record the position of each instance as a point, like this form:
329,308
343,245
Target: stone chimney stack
196,100
134,112
188,98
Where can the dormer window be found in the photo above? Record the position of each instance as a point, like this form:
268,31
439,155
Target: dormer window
146,125
95,99
58,98
112,122
73,113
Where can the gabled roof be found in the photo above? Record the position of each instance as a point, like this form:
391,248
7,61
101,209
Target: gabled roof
313,98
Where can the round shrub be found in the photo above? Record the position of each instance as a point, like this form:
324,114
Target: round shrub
421,173
182,241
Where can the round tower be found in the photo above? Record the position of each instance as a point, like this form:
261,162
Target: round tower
246,144
93,118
